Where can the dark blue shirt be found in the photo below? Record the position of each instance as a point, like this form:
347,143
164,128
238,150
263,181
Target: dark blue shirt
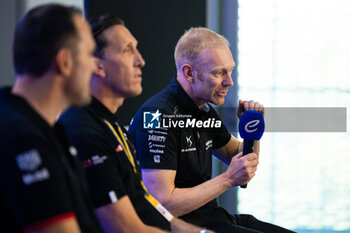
181,139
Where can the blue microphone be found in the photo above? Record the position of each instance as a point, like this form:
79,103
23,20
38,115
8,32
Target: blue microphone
251,127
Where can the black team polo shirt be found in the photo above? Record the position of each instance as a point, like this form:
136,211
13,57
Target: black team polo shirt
41,181
187,149
110,175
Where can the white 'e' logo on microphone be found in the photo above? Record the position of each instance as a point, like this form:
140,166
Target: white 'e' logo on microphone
249,127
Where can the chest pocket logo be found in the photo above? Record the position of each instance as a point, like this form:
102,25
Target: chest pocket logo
189,145
188,140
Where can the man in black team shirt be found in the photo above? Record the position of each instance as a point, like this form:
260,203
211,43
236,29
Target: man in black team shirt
42,187
121,201
176,160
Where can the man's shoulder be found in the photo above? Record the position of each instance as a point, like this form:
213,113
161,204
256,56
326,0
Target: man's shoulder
85,130
163,100
19,134
79,119
75,114
14,124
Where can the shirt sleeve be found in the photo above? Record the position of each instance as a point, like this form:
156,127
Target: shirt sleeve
156,148
101,164
221,136
33,186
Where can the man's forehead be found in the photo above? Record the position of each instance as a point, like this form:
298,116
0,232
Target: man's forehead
120,35
219,56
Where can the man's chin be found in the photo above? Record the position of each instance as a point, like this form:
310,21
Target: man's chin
218,102
82,101
134,93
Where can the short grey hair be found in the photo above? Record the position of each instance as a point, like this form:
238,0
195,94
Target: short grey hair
193,41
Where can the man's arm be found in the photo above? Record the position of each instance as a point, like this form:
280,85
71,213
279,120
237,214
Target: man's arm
69,225
119,216
179,226
179,201
122,217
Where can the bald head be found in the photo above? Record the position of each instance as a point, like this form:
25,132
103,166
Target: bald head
193,42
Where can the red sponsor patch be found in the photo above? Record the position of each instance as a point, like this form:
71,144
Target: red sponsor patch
119,148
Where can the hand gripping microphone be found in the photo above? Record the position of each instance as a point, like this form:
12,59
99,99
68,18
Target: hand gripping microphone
251,127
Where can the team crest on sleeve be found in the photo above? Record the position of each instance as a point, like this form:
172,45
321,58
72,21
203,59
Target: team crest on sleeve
29,160
29,163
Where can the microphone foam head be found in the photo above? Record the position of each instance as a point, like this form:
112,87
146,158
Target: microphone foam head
251,125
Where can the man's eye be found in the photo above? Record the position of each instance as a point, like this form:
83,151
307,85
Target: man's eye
218,73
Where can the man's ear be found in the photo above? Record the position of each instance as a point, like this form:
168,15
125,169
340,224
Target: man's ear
64,62
188,72
100,68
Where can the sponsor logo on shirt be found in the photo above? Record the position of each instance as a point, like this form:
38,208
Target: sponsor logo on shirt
157,132
188,140
189,143
119,148
151,145
208,144
29,160
156,159
39,175
29,163
156,151
94,160
189,149
158,120
156,138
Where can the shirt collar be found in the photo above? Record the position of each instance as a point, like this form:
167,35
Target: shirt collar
182,97
101,110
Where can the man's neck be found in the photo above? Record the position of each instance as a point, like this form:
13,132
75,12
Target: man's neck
111,103
43,94
106,95
186,87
